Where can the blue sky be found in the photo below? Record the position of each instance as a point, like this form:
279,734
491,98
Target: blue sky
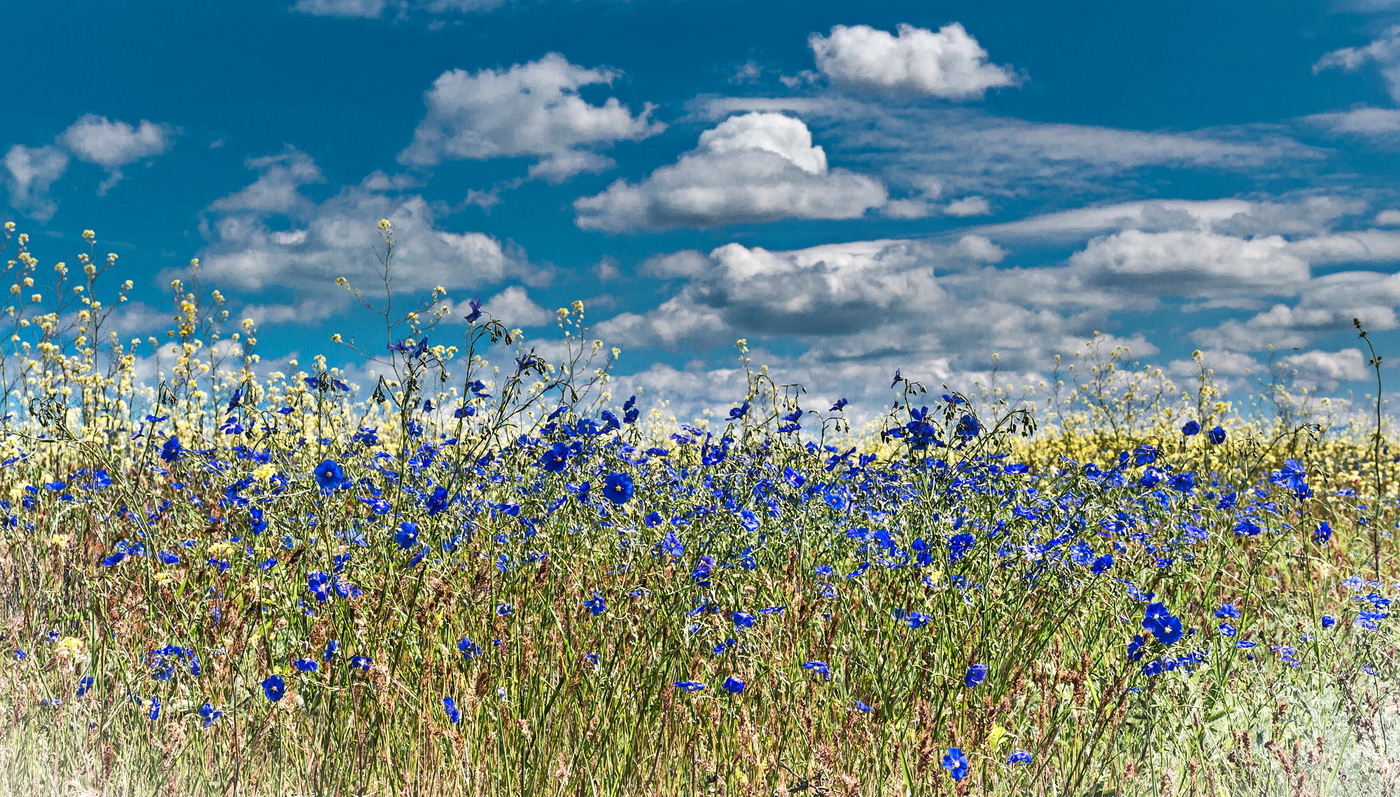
852,190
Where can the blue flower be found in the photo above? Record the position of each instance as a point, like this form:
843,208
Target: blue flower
361,663
618,488
742,620
1216,435
469,649
1191,428
475,305
863,707
690,686
1021,756
733,685
209,714
155,708
596,605
274,687
555,458
84,684
306,665
407,535
955,761
330,476
819,667
450,706
1323,533
172,450
738,412
976,674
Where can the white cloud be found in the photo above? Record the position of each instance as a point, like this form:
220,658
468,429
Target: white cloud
949,63
514,308
1324,370
529,110
1359,246
756,167
289,273
365,9
277,189
1231,216
968,206
1327,304
1388,218
1359,121
878,300
1384,52
111,145
30,172
1191,263
372,9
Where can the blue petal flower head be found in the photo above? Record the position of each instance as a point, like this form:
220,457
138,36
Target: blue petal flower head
690,686
863,707
738,412
331,648
306,665
361,663
968,427
742,620
976,674
319,584
955,761
1019,757
819,667
1323,533
209,714
618,488
475,305
155,708
1191,428
330,476
84,684
839,405
1227,609
1162,624
1216,436
469,649
596,605
274,687
959,545
450,706
556,458
734,685
407,535
172,450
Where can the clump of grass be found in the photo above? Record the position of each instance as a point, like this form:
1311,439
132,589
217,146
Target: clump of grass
487,581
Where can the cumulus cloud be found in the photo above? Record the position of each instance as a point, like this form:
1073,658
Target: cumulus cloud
529,110
1324,370
1191,263
853,300
756,167
112,145
29,173
1326,305
1371,122
1384,52
916,61
1238,217
968,206
285,251
970,151
514,307
277,189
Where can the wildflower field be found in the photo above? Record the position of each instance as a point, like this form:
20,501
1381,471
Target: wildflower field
484,573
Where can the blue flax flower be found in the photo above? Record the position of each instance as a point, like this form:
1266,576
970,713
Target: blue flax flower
690,686
618,488
330,476
976,674
450,706
955,761
274,687
820,668
734,685
1019,757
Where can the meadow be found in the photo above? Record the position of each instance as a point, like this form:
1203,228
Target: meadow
484,573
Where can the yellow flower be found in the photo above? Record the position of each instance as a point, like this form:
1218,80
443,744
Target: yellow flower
69,647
